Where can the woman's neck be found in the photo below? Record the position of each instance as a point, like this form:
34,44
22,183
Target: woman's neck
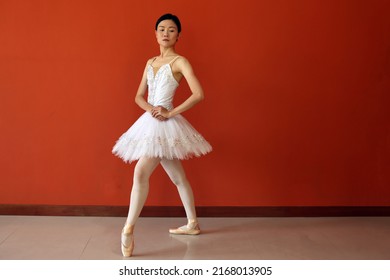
166,52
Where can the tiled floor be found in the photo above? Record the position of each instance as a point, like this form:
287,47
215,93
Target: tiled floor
37,237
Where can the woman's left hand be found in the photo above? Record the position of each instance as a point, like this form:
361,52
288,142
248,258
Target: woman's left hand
160,113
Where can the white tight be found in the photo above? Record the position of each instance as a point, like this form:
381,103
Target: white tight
143,169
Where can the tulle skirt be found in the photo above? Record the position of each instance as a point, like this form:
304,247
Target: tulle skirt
174,138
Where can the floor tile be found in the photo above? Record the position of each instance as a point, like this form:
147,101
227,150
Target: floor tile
39,237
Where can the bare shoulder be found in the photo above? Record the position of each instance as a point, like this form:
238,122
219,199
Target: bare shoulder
182,60
183,65
150,60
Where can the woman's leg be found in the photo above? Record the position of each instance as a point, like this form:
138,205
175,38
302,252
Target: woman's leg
176,173
143,169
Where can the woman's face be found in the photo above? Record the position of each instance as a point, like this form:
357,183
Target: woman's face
167,33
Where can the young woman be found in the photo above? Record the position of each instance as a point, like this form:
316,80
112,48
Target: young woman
161,135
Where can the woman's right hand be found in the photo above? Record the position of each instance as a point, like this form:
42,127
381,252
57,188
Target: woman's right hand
155,112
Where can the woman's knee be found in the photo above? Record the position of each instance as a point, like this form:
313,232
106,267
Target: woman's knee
175,172
144,169
179,179
141,175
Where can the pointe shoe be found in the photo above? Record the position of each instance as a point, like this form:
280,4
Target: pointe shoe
188,229
127,243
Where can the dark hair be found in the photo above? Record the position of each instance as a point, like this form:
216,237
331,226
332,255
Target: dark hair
174,18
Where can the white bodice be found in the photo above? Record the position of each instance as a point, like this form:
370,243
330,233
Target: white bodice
161,87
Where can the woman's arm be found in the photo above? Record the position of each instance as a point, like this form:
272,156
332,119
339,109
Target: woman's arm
184,67
139,97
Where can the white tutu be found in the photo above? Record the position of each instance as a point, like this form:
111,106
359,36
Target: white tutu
174,138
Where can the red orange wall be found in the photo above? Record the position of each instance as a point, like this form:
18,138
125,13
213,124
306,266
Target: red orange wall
297,100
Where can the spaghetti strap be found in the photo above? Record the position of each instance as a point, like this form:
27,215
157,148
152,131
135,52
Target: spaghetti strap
153,61
173,60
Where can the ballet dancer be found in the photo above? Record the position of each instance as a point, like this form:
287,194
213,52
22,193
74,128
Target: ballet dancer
162,135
